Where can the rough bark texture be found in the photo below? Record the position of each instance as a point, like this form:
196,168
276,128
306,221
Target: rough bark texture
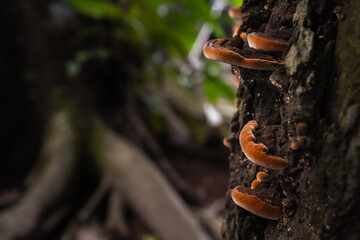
316,112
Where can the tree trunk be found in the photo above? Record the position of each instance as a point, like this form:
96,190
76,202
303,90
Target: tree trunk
314,113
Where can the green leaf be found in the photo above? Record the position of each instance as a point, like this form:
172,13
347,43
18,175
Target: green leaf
236,3
218,31
214,87
97,9
200,9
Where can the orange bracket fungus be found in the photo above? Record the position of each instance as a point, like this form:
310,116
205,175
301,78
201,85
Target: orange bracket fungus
298,143
235,13
226,143
262,176
266,207
257,152
266,42
226,51
243,36
236,29
255,183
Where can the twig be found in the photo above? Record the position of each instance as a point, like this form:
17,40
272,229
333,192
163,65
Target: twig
164,162
89,207
95,198
115,217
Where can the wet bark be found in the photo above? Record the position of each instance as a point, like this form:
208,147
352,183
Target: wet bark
316,114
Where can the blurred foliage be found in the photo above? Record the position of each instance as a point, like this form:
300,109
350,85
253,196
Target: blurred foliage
149,237
173,24
236,3
97,9
214,87
165,31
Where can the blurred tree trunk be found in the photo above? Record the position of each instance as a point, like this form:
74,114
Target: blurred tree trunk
50,104
322,182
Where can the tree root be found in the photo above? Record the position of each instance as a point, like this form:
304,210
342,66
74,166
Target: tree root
57,166
145,188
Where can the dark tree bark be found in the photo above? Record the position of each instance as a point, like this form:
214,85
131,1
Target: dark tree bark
316,112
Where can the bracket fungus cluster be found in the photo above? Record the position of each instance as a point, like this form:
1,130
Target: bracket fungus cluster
225,50
247,48
259,43
250,198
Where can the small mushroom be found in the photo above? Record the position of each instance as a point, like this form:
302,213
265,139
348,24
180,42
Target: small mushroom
255,183
226,143
267,7
243,36
279,79
224,50
266,42
257,152
252,203
301,128
235,13
262,176
298,143
236,29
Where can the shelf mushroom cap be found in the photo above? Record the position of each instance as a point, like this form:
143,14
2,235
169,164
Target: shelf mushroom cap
257,152
236,30
262,176
255,183
243,36
255,205
217,49
235,13
226,143
266,42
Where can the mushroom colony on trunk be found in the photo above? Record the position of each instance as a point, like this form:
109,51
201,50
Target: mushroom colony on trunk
257,50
